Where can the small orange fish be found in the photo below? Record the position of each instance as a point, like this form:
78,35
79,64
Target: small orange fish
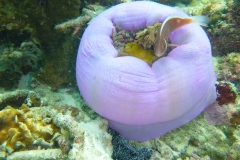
169,25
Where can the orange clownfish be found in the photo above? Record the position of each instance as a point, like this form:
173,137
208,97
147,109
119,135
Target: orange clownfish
169,25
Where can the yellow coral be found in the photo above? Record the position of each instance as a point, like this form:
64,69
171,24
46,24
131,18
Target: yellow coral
133,49
234,58
22,127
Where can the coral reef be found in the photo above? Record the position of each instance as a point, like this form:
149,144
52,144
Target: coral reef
90,140
66,109
219,114
170,2
224,38
234,150
235,118
223,29
122,149
236,12
226,93
42,13
77,132
37,154
59,66
228,68
18,97
16,62
93,115
79,23
20,24
196,139
227,108
219,124
28,38
106,2
36,24
64,143
225,114
211,8
26,128
55,76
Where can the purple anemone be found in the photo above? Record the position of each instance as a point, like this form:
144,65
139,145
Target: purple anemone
143,102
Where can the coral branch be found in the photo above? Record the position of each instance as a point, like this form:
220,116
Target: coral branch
78,23
37,154
86,137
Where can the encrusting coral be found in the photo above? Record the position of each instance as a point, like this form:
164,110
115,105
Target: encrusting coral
88,140
24,128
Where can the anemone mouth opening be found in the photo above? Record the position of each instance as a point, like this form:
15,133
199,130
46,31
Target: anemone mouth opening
137,43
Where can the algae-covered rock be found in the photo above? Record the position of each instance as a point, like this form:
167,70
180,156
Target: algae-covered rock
17,61
18,97
24,20
34,21
228,67
197,139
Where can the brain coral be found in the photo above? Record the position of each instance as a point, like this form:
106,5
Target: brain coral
24,127
142,102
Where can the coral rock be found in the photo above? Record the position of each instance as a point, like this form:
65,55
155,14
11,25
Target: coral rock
24,127
226,93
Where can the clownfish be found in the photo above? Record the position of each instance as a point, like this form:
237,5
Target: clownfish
169,25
